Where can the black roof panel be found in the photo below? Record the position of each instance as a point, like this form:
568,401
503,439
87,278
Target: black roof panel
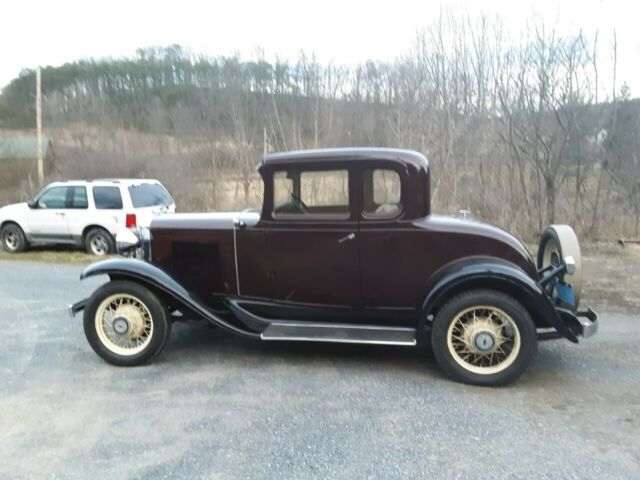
333,154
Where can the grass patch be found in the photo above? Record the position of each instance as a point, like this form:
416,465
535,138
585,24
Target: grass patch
52,255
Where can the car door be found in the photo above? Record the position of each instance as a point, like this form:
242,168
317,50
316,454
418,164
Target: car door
311,252
107,207
47,219
78,216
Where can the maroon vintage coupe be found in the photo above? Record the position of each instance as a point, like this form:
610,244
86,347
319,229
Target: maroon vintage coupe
345,249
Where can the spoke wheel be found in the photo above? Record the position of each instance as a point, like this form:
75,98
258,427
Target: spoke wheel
483,339
124,324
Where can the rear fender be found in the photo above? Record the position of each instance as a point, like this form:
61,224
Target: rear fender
156,278
493,274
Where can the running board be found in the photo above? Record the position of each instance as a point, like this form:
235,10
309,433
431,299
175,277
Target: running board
339,333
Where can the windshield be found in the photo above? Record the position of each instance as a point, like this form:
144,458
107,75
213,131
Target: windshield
149,195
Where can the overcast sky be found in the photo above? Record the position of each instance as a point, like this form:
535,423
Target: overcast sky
54,32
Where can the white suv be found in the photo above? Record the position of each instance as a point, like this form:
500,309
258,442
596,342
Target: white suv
83,213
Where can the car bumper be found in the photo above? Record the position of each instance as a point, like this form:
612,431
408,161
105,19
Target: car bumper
582,323
589,322
74,308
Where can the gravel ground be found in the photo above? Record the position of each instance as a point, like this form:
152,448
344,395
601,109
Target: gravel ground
219,406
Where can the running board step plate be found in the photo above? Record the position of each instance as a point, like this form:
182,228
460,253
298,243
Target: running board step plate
339,333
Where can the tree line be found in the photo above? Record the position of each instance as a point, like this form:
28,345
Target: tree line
523,132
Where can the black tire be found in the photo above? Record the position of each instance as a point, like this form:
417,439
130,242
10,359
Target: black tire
454,367
556,243
99,242
13,238
159,318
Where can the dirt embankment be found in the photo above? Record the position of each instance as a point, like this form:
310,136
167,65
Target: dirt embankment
611,278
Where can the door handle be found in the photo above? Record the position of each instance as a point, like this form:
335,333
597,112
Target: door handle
60,213
351,236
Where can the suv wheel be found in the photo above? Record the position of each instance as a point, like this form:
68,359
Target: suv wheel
125,323
99,242
483,337
13,239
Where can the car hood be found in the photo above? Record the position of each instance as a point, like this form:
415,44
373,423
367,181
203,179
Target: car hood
203,220
13,209
466,226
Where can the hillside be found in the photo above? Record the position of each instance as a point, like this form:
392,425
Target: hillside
517,138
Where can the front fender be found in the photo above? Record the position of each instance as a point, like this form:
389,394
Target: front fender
497,275
153,276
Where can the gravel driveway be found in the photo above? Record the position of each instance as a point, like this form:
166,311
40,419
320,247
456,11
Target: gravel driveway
219,406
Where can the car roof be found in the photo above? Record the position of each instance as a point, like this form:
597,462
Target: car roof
337,154
105,181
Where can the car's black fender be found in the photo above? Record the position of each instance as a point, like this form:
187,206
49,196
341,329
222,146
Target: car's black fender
489,272
156,278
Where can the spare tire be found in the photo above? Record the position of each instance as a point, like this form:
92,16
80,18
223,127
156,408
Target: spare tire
557,243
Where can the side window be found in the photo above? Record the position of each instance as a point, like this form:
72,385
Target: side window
282,191
107,198
311,192
55,197
382,193
79,198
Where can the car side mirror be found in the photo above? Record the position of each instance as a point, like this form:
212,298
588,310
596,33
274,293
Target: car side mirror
32,203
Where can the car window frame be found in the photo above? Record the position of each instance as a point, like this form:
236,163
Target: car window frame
70,195
402,172
117,187
48,189
382,217
314,217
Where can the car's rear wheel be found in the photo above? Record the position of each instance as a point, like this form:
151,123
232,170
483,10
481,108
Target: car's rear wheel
99,242
13,238
125,323
483,337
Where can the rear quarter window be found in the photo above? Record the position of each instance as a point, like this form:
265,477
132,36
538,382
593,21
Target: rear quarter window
107,198
149,195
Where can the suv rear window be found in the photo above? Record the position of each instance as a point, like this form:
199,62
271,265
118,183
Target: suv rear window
149,195
107,198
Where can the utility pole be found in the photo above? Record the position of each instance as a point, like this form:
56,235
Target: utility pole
39,128
264,140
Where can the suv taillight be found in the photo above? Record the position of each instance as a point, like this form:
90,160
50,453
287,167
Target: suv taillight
130,221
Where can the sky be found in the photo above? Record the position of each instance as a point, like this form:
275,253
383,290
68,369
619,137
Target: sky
346,32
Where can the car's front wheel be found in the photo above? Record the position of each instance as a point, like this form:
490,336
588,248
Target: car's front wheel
483,337
125,323
13,238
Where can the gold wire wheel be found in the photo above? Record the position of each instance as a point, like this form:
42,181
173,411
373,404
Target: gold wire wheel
124,324
483,340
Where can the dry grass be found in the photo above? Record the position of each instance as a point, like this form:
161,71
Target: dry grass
52,255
